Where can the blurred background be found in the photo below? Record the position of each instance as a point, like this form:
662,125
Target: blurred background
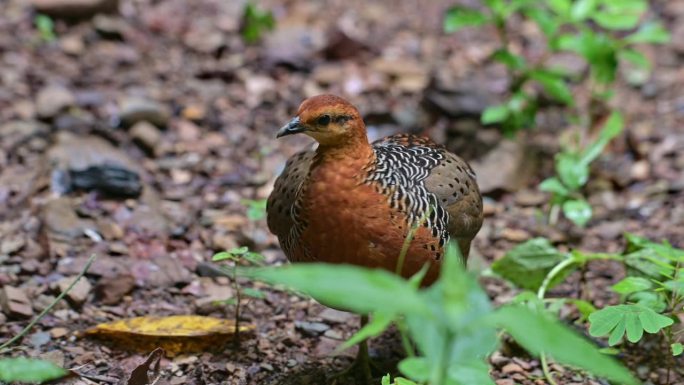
144,130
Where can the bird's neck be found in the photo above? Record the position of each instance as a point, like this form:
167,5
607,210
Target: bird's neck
357,149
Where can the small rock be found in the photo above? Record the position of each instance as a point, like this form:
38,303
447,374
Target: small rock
505,381
75,9
640,170
530,198
52,100
507,167
12,244
109,27
39,339
79,293
58,332
61,220
54,356
137,109
312,329
336,316
14,303
515,235
72,45
511,368
111,290
90,163
147,136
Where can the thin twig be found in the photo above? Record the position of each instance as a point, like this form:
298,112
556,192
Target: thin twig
3,347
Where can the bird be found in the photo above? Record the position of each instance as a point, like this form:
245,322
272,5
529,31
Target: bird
350,201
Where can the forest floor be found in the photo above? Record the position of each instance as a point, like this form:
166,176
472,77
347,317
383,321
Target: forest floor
213,105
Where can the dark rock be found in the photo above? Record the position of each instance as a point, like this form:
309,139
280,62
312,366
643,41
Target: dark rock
136,109
75,9
311,328
92,164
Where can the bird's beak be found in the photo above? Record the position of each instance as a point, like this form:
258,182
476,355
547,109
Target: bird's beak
295,126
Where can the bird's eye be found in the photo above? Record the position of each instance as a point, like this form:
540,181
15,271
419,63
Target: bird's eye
323,120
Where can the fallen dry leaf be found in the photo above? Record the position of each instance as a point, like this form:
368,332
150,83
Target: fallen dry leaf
180,334
139,375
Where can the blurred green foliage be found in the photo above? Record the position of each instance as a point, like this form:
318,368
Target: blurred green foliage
255,22
45,27
29,370
452,323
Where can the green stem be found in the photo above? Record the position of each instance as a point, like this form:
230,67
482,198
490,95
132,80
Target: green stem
407,242
405,341
45,311
552,274
540,294
236,329
545,369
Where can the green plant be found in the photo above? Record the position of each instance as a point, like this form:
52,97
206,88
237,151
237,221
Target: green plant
652,295
594,30
34,370
572,170
256,208
255,22
451,323
29,370
236,256
45,27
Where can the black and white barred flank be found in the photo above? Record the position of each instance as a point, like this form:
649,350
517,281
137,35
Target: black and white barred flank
400,170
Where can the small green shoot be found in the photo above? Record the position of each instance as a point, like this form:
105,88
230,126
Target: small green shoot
235,256
45,27
255,22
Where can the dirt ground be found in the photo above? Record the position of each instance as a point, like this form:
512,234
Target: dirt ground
168,92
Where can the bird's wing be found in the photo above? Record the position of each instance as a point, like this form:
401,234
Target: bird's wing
287,187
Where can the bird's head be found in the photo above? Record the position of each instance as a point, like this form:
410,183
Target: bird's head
329,119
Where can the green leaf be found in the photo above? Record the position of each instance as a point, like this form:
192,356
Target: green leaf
553,185
222,256
631,285
652,300
344,286
581,9
254,293
635,57
611,128
634,319
254,258
45,27
578,211
239,250
572,172
255,22
560,7
585,308
554,85
495,114
379,322
545,20
385,380
527,264
509,59
29,370
554,339
677,348
653,33
416,368
620,15
460,17
469,373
